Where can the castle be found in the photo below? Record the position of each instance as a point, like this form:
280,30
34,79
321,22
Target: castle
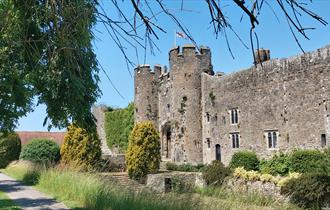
276,105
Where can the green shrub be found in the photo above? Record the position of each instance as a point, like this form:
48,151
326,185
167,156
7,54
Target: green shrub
118,125
43,151
307,161
277,165
215,173
80,148
246,159
327,159
309,190
143,153
10,148
184,167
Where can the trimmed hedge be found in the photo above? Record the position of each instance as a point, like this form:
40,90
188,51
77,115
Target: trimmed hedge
80,148
184,167
43,151
10,148
215,173
246,159
307,161
278,165
118,126
143,153
309,190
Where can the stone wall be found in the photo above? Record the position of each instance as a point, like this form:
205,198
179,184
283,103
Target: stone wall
157,182
290,96
264,188
98,112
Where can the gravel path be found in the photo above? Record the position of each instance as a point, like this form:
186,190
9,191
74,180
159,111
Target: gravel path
27,197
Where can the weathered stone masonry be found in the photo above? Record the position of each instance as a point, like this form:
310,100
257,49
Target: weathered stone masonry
191,107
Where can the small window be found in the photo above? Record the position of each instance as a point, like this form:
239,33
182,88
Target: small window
235,140
234,116
323,140
208,141
216,119
207,117
272,137
168,107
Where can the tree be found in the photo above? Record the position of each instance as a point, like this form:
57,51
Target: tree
80,148
143,153
46,52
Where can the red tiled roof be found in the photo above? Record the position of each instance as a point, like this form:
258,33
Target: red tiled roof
26,136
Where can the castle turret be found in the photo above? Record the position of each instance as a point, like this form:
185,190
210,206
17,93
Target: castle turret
146,93
186,68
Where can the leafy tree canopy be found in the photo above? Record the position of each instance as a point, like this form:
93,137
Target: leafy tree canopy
46,54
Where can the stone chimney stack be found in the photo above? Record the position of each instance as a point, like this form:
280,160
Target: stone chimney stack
261,55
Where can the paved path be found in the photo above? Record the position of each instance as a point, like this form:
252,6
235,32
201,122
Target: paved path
27,197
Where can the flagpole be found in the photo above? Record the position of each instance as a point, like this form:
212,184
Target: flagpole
174,39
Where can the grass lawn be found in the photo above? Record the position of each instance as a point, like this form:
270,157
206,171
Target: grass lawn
6,203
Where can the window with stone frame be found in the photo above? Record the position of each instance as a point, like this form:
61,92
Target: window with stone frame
234,116
272,138
235,139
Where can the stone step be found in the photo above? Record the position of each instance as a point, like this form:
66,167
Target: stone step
123,179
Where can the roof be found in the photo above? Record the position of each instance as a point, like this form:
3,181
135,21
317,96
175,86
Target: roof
26,136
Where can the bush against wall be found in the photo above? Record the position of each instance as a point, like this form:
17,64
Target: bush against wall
143,153
277,165
118,125
246,159
215,173
10,148
308,161
80,148
309,190
43,151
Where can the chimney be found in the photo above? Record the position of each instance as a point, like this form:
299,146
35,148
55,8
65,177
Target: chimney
261,55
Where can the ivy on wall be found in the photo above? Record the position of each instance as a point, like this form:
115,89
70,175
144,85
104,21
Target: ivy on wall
118,125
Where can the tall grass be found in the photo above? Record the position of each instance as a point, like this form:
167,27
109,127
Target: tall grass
236,200
89,191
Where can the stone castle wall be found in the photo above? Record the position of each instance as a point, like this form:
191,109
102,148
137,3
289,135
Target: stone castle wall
290,96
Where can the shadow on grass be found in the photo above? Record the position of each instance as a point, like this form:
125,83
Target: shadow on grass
7,204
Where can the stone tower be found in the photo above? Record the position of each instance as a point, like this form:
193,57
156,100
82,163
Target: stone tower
146,93
186,68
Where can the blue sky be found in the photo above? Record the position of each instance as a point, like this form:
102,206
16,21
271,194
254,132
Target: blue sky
272,35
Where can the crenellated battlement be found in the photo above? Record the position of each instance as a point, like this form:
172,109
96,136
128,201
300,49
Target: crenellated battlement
189,50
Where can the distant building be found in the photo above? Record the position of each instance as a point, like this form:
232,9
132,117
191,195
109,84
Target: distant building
26,136
278,105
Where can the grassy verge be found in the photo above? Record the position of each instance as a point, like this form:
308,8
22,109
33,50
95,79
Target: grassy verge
6,203
89,191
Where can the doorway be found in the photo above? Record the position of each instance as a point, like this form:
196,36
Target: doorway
218,152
